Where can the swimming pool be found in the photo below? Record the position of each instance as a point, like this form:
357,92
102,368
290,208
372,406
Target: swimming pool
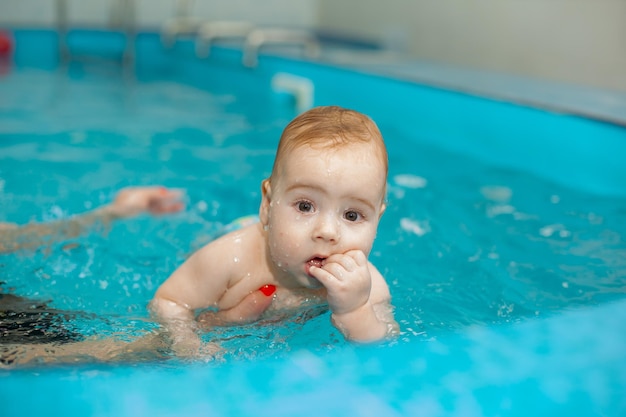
503,242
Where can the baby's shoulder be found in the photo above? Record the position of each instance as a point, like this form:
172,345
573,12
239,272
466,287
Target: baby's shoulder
241,248
235,239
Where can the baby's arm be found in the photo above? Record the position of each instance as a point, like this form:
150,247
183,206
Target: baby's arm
129,202
358,297
200,282
174,303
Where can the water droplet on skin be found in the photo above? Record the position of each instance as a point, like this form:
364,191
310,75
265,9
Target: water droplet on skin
235,259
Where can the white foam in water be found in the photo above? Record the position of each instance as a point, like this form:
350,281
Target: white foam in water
410,181
550,230
497,193
500,209
412,226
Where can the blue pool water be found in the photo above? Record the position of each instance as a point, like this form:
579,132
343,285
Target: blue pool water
503,243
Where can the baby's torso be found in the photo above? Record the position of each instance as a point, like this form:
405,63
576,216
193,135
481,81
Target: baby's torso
250,271
282,298
289,299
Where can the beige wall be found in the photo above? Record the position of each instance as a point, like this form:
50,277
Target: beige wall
152,13
576,41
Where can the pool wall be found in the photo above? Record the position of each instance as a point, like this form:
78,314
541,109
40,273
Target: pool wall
570,364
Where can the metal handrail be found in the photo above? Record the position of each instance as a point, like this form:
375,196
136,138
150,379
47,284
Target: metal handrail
278,36
211,31
183,23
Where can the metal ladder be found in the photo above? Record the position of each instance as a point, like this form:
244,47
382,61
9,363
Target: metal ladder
121,17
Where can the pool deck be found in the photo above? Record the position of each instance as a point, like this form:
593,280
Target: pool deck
558,97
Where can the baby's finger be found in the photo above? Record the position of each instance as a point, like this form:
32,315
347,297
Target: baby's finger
358,256
323,276
346,262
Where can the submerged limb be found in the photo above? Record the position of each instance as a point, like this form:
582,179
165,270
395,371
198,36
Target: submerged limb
89,350
179,339
128,202
179,326
33,333
148,348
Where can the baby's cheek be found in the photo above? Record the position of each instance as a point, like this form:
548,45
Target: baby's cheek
361,257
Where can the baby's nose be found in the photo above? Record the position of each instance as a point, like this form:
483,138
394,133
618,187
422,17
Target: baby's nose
326,229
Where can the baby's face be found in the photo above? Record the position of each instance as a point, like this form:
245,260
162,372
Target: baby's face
323,202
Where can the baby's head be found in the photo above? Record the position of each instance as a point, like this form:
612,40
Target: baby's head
326,193
330,128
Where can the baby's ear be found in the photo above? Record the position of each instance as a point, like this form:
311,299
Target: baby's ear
266,196
383,207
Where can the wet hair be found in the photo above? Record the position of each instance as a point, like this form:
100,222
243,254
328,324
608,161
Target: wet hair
330,127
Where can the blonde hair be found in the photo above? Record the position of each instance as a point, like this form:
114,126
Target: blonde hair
330,127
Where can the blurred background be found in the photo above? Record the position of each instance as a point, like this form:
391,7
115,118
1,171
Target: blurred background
580,42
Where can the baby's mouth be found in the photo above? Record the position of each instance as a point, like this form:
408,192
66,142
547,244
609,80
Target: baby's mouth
317,261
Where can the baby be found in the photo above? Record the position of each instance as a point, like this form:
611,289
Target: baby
319,214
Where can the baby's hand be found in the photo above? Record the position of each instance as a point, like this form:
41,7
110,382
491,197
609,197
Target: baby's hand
347,280
247,311
132,201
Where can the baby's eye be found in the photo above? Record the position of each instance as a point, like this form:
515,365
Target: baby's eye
305,206
352,216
